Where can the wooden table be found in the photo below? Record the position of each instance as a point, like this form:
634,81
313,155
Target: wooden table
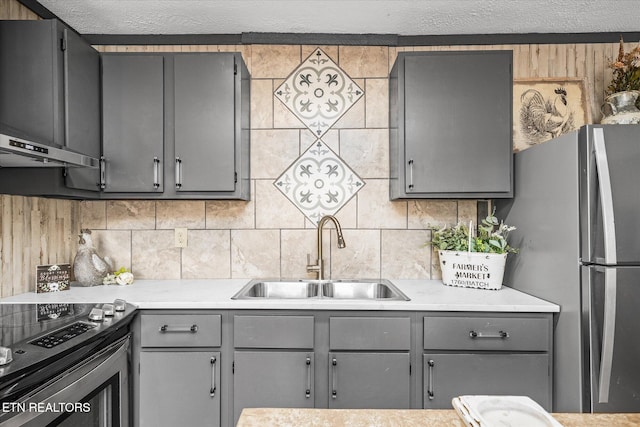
285,417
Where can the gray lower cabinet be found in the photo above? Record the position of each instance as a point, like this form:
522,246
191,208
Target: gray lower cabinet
369,380
180,374
486,354
449,375
273,379
450,125
369,362
179,388
273,362
201,368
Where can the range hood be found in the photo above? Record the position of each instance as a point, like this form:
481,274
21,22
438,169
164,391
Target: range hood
16,152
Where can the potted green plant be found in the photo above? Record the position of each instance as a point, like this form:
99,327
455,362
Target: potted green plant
473,260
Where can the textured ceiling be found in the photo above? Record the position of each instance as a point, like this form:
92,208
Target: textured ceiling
401,17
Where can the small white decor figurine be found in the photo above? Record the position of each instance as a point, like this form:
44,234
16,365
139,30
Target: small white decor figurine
89,268
121,277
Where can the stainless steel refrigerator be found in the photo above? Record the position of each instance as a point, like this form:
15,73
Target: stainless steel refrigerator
576,207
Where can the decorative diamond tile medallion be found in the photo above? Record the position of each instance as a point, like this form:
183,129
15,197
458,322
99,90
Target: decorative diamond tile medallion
319,182
319,92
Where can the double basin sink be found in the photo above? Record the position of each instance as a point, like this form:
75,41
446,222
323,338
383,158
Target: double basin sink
328,289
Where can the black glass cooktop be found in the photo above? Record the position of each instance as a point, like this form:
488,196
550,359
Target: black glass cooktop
20,322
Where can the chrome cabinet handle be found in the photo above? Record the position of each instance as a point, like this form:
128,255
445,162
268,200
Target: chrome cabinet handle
500,334
156,172
212,391
410,174
103,172
430,392
307,393
334,378
178,172
166,328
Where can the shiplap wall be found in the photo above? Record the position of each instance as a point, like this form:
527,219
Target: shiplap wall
588,61
35,231
42,231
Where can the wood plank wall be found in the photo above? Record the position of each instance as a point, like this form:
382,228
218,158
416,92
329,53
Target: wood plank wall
34,231
588,61
11,9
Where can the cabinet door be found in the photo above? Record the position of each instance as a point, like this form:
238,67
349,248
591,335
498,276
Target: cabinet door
369,380
205,122
457,124
29,80
449,375
282,379
179,388
82,107
133,122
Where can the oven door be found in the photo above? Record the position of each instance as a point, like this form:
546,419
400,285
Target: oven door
93,393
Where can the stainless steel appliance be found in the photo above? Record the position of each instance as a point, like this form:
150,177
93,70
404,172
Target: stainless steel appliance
68,364
577,213
16,152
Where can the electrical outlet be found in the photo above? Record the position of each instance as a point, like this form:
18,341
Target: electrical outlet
181,237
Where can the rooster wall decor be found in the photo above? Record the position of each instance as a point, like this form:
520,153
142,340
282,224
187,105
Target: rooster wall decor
542,119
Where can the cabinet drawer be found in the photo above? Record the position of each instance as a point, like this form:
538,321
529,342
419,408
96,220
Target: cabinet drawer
486,333
273,331
180,330
369,333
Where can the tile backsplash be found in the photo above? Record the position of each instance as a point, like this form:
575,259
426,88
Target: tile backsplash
226,239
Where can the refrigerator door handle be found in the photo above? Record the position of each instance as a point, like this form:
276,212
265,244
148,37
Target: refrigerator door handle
608,333
606,197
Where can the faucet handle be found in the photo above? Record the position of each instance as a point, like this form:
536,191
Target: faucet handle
312,267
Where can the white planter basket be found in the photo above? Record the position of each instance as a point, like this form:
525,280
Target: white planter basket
472,269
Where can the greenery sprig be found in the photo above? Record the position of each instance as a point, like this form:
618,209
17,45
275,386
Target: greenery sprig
491,237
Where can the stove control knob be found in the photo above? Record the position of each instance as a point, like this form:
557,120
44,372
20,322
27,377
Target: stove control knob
5,356
96,315
107,309
120,305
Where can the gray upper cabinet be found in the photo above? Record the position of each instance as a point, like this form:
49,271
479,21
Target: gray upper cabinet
450,119
204,120
133,118
176,126
31,81
82,107
50,86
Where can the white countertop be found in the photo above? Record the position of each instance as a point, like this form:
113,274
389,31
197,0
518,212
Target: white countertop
426,295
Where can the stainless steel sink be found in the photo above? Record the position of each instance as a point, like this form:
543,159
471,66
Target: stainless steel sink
276,289
362,290
326,289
